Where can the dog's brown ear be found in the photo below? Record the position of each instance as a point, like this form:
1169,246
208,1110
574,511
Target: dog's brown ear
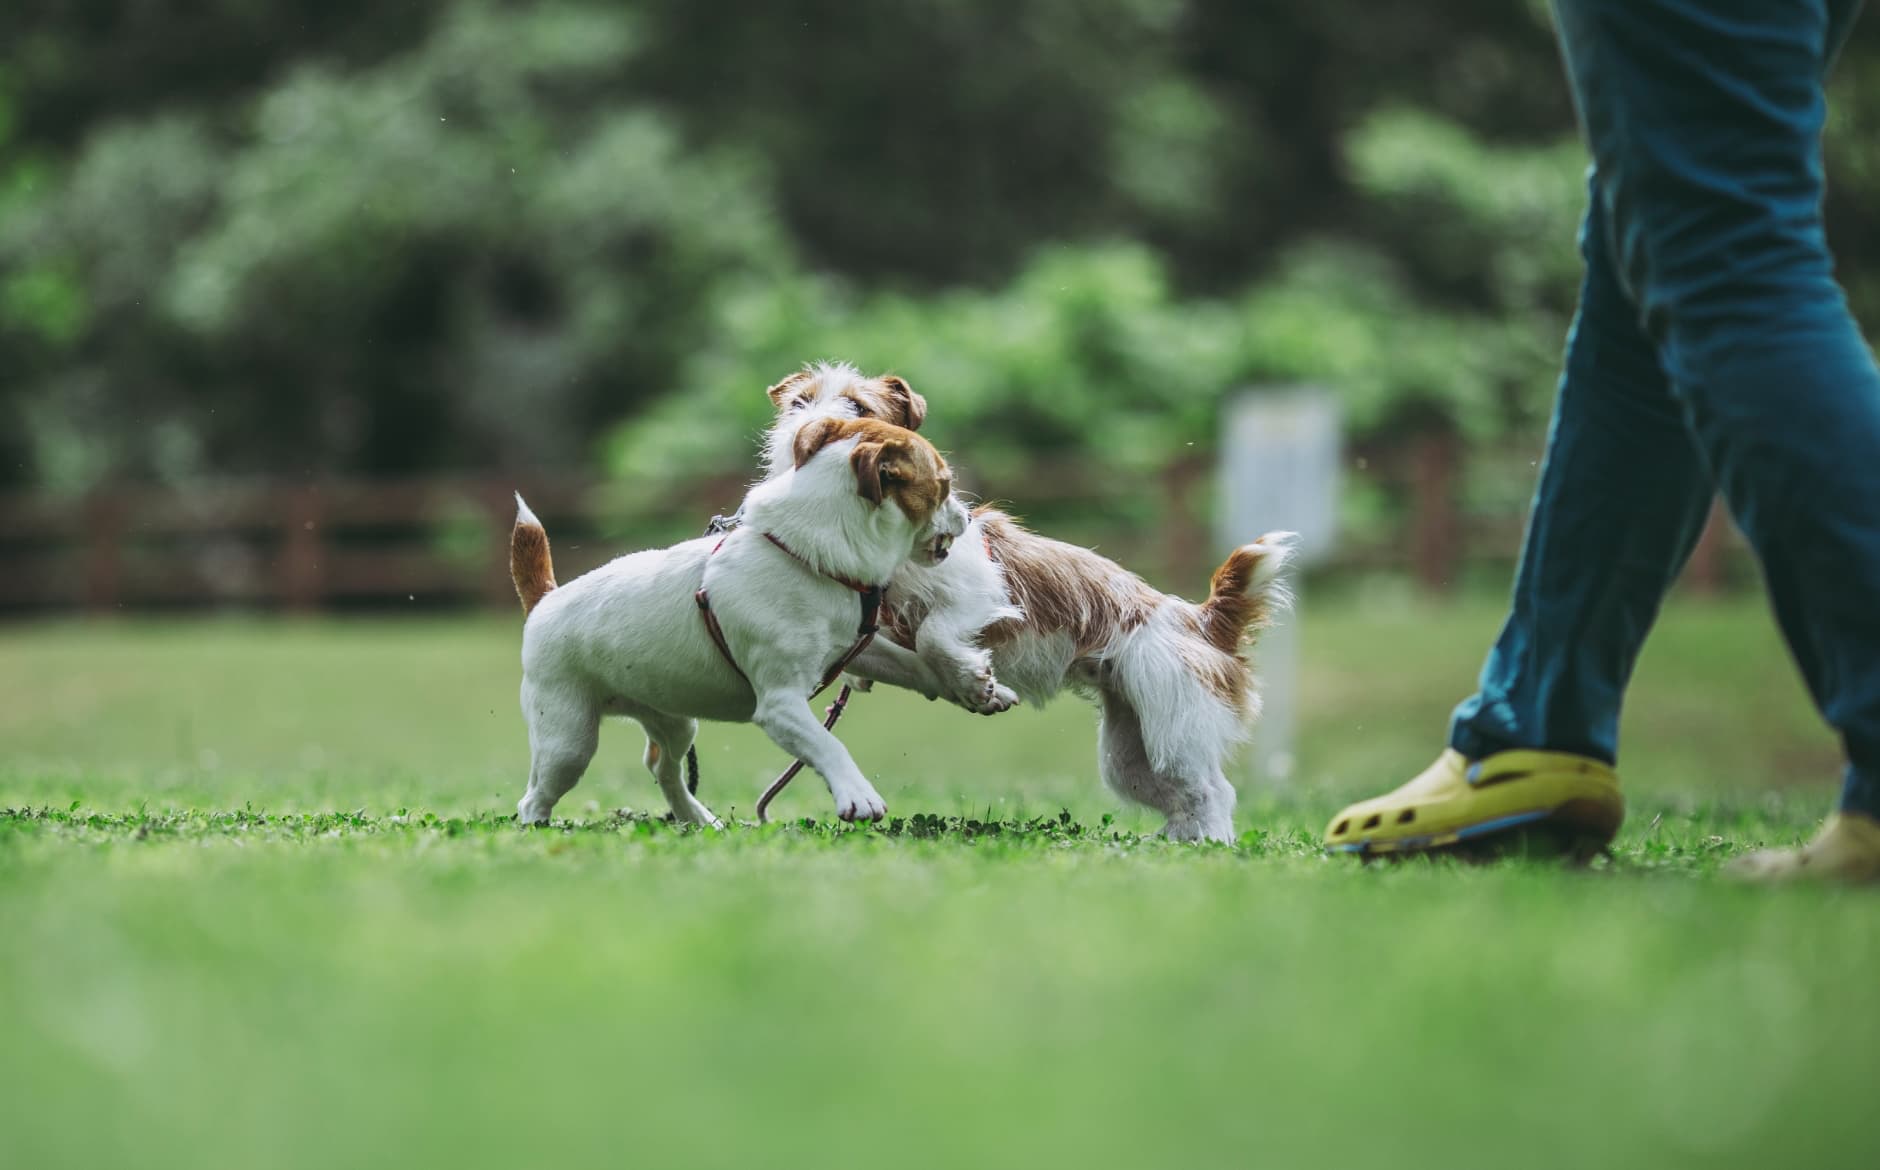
870,475
780,393
813,437
913,406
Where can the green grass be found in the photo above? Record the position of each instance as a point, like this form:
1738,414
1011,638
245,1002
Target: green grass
261,906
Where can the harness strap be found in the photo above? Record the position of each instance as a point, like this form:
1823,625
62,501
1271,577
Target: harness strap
864,630
838,578
864,634
717,632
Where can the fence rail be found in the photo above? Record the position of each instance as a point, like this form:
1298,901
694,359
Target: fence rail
443,540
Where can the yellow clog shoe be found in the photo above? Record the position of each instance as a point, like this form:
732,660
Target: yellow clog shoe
1456,802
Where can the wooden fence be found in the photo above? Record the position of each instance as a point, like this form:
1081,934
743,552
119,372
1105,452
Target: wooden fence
271,545
338,544
431,542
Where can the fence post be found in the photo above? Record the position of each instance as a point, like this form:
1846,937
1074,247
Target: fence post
1185,533
302,579
499,503
1280,468
104,561
1435,523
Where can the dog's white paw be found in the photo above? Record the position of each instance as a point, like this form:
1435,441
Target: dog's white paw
527,813
861,804
983,694
1188,828
999,698
699,815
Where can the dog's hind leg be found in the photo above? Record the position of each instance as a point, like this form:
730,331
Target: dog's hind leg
667,738
564,729
1198,801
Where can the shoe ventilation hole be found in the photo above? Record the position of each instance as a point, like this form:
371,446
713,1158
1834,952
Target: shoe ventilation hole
1406,816
1371,821
1342,826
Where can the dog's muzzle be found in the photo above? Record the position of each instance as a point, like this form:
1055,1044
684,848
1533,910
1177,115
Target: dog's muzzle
942,545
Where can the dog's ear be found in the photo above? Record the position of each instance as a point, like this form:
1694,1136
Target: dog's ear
780,393
913,406
813,437
871,475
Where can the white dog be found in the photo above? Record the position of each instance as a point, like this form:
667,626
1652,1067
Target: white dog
1012,615
736,628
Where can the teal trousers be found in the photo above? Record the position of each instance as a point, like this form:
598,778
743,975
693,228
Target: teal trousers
1712,352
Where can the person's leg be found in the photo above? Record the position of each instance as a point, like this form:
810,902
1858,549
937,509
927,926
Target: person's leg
1622,497
1704,117
1712,178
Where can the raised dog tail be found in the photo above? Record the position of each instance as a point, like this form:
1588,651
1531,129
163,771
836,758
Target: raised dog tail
1246,592
530,566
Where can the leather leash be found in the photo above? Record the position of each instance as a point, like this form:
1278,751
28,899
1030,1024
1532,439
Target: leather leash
781,782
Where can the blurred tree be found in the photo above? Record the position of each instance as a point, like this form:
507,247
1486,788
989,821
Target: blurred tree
931,141
475,252
274,235
75,63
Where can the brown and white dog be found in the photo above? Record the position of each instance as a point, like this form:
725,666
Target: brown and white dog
739,628
1014,615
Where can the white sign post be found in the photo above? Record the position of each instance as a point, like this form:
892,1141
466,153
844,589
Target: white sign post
1279,471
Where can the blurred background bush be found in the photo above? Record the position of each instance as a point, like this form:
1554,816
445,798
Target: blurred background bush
290,242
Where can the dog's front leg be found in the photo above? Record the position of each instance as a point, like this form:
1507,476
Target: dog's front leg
786,718
963,669
945,668
887,662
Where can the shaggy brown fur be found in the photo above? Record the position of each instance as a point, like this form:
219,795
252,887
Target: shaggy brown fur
1062,587
1228,676
1230,613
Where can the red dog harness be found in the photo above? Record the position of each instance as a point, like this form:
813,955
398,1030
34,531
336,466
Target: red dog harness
864,634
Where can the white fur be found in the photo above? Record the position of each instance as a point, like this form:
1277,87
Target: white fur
523,514
628,638
956,607
1164,737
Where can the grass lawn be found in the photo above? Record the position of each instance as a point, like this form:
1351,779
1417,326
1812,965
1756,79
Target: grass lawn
261,907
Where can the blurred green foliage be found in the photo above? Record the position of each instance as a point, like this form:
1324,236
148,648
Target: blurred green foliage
301,238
